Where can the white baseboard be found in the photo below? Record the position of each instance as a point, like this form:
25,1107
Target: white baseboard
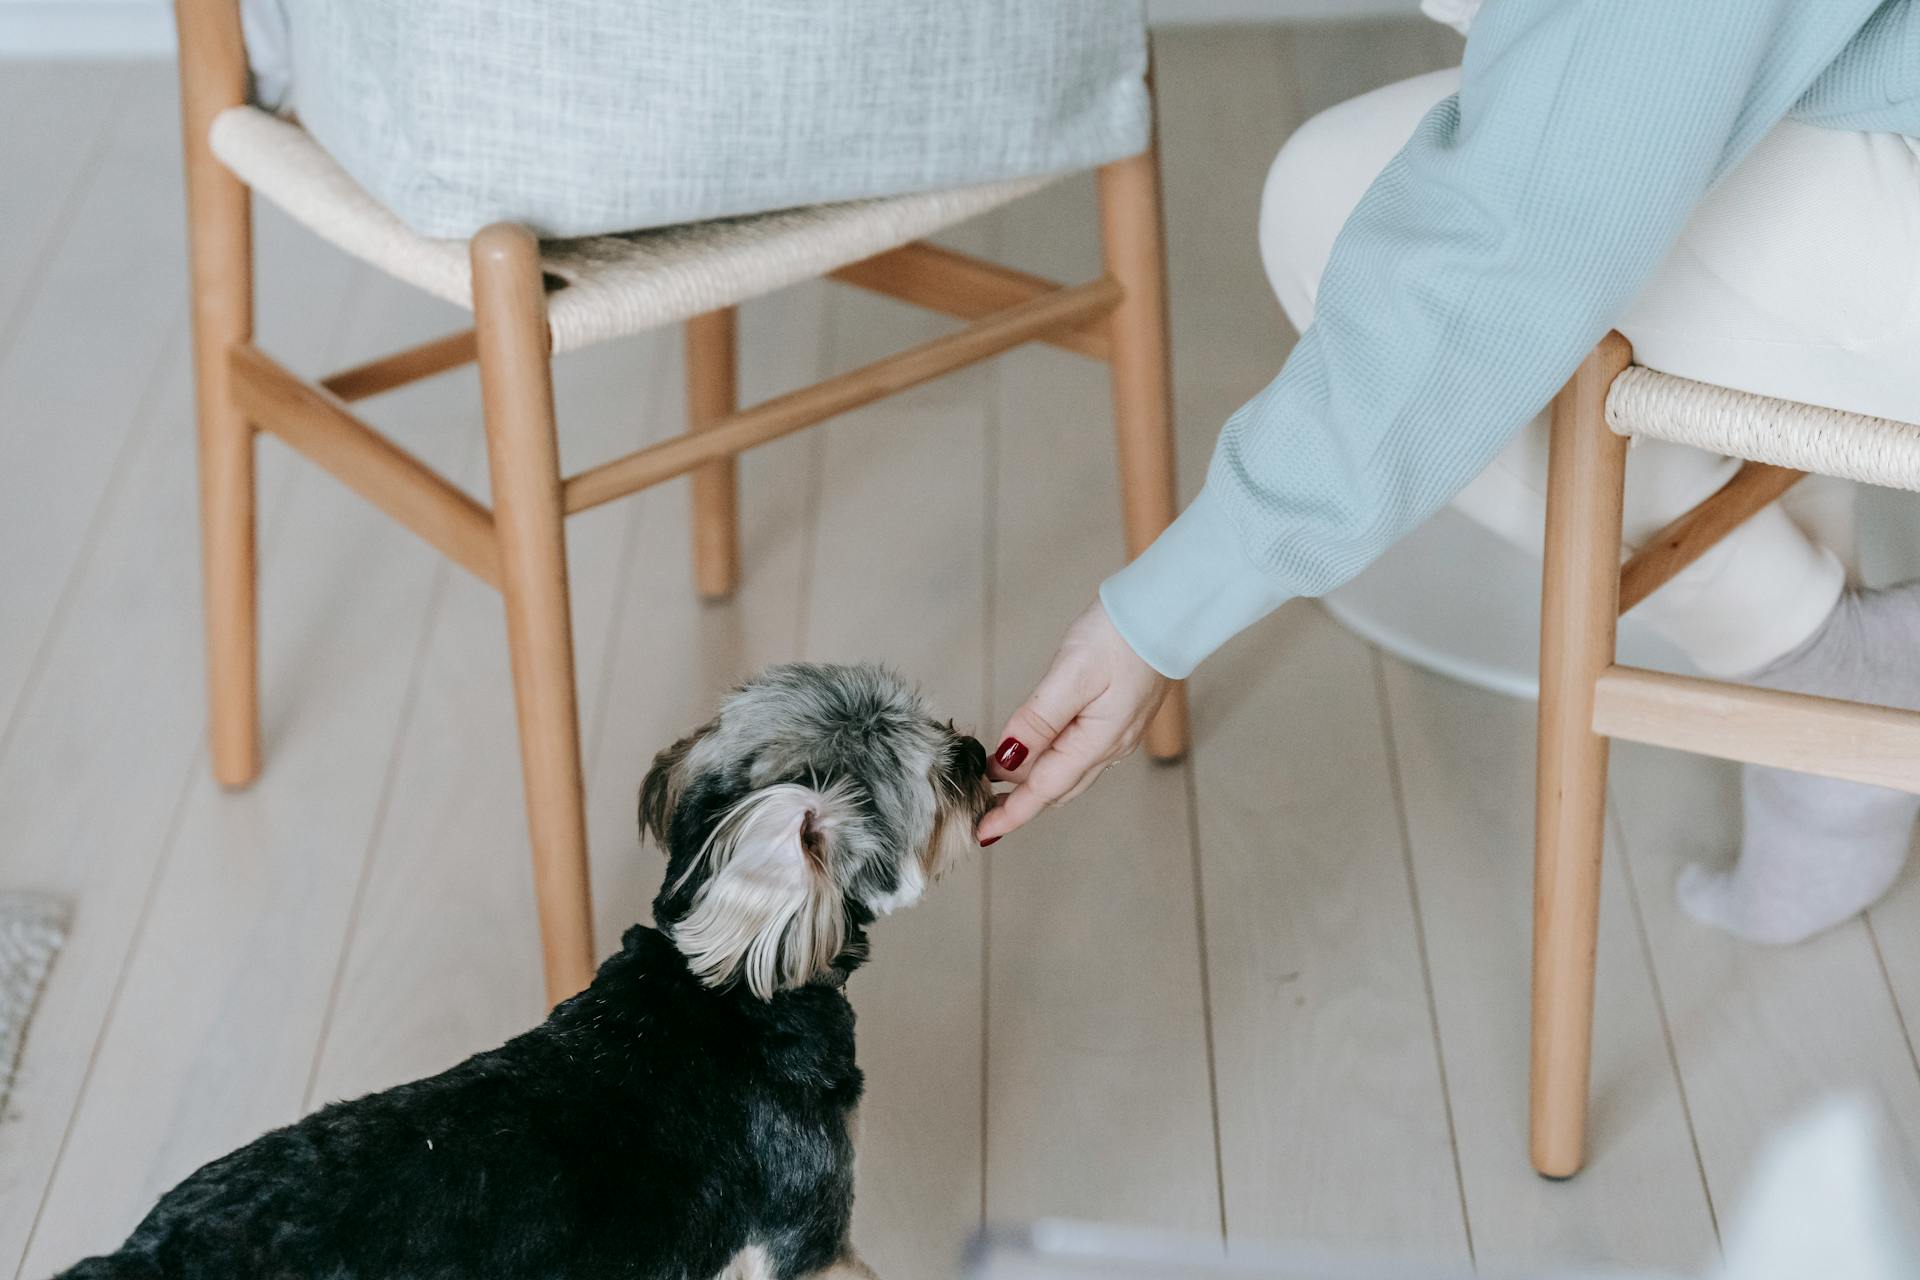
144,28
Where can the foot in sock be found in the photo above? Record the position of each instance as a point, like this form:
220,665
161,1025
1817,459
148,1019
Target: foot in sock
1815,851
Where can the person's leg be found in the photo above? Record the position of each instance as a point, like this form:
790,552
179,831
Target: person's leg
1322,171
1815,851
1797,278
1767,606
1741,304
1758,595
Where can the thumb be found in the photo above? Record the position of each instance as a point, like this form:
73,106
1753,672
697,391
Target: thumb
1030,731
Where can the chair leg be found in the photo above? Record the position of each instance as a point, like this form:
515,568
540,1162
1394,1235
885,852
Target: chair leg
220,246
1134,252
712,394
1579,610
516,380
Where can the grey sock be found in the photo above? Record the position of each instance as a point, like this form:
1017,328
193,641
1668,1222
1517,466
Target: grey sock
1816,852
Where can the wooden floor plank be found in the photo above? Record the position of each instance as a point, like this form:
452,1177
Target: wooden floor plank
214,1029
105,720
1466,766
1761,1033
1225,109
1894,930
898,575
115,710
1889,529
1334,1124
50,167
107,312
1329,62
117,713
1324,1035
453,831
1099,1094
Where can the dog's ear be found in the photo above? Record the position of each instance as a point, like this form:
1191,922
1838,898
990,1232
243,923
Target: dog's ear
660,791
769,912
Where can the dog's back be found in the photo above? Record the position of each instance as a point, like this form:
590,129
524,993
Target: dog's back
652,1126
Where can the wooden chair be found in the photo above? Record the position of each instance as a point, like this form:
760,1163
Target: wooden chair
606,287
1586,698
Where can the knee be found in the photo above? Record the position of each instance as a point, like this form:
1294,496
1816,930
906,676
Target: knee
1320,174
1301,212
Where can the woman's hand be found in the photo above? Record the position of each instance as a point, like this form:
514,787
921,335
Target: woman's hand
1089,711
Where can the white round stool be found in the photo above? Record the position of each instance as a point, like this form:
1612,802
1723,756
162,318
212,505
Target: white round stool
1463,603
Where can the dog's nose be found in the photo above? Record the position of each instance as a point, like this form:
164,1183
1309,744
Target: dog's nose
973,754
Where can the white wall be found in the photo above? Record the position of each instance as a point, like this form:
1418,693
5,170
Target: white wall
133,28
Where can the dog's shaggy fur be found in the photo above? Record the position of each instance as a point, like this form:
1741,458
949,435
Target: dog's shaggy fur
688,1114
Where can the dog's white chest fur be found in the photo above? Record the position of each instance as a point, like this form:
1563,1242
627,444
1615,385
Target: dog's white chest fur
751,1263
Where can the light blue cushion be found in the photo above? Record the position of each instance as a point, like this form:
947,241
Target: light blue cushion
579,117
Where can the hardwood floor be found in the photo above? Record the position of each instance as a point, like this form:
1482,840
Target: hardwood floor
1276,993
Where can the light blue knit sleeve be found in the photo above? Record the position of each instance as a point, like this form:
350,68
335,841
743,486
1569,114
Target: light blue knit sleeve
1476,273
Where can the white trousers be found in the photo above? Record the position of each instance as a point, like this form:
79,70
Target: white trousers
1798,277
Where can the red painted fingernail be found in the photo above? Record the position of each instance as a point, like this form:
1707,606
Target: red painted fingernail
1011,755
990,840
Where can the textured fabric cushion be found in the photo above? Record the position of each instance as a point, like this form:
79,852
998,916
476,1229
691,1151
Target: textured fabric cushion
578,117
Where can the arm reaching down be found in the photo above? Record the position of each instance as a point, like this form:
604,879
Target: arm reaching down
1482,265
1473,277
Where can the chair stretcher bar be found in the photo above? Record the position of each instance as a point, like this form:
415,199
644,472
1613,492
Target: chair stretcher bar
403,367
1694,534
315,422
1852,741
961,285
1050,313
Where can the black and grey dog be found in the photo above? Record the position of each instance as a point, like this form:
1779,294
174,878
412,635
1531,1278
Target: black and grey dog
689,1114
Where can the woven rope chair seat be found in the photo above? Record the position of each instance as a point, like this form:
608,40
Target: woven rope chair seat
1740,424
611,285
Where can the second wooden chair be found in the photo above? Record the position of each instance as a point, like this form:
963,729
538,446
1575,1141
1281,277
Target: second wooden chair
1587,699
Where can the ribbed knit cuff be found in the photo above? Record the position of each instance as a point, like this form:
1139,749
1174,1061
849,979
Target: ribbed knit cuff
1190,592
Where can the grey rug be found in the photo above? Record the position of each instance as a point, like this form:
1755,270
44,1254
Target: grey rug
32,927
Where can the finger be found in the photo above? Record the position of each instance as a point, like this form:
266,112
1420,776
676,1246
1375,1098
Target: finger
1030,732
1053,776
1016,809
